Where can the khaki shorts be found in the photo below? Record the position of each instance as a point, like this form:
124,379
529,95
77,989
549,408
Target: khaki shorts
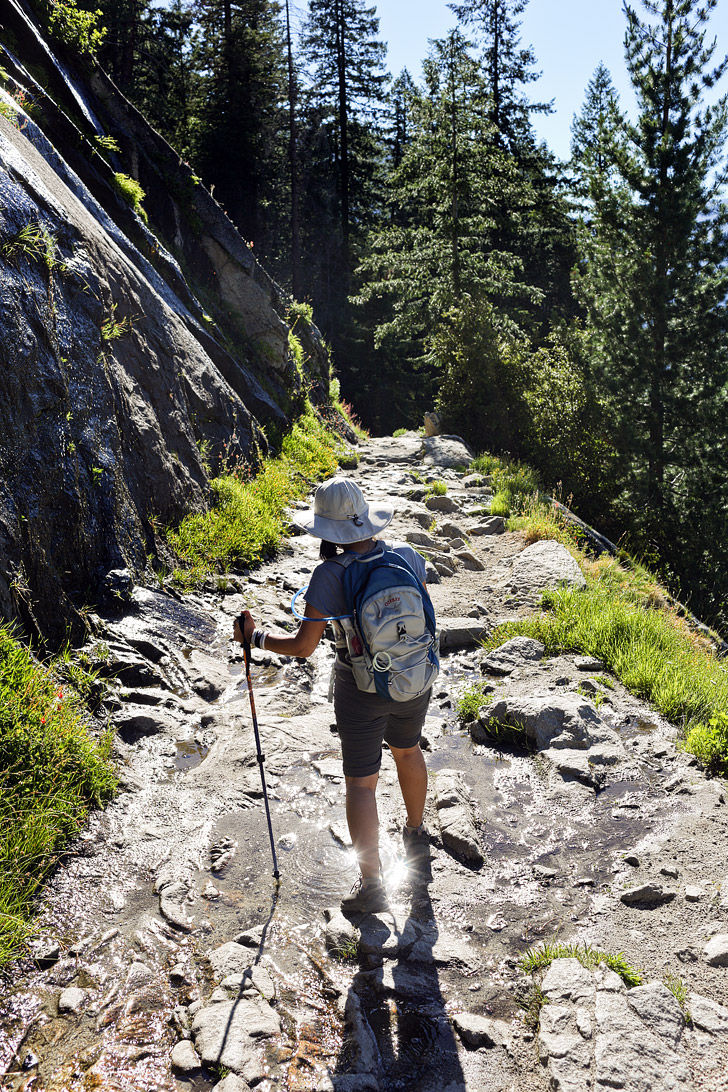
365,720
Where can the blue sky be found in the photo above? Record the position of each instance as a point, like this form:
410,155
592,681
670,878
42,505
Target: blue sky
569,37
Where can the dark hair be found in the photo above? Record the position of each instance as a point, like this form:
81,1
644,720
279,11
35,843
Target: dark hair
328,550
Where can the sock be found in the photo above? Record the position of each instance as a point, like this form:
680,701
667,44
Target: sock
413,830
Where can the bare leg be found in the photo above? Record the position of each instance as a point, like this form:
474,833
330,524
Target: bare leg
363,820
412,774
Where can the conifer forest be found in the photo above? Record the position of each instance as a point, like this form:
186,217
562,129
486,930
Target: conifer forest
570,314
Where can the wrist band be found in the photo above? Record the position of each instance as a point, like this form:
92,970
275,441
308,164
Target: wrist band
258,638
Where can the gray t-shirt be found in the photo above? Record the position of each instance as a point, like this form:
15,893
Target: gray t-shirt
326,593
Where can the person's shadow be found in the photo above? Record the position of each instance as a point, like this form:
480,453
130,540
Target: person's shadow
397,1027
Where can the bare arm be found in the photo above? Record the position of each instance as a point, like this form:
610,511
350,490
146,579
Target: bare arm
301,643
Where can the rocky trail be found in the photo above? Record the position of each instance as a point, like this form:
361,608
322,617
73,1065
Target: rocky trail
168,960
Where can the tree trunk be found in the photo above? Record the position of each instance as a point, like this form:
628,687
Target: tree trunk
296,285
343,130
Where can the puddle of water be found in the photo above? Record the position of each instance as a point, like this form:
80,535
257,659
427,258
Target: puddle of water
189,754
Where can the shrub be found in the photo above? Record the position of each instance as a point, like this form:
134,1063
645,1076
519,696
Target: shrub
75,27
129,189
51,773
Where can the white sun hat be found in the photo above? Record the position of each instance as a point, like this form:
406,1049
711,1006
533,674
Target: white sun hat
340,513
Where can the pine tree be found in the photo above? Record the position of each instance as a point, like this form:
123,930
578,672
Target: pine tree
349,80
241,146
401,98
595,133
508,65
654,279
438,263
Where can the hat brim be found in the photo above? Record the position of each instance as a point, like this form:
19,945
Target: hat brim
344,531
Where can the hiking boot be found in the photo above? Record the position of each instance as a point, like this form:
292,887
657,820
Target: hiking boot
365,897
416,840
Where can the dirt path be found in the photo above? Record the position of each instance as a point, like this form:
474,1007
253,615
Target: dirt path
168,961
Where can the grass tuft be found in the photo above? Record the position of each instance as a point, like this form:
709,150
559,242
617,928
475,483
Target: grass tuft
51,774
539,959
129,189
471,701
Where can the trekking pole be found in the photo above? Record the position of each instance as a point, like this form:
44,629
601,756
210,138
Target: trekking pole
259,753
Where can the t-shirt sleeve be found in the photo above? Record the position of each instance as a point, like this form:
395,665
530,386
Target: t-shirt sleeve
324,591
413,559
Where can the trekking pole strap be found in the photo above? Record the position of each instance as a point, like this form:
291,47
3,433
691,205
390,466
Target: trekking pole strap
305,618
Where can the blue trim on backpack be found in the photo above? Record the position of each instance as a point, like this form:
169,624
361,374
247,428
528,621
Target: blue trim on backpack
356,577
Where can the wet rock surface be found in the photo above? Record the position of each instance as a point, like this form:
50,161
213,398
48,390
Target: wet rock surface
182,966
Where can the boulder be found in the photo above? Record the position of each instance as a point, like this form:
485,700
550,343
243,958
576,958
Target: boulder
541,566
564,721
514,653
227,1033
457,819
446,451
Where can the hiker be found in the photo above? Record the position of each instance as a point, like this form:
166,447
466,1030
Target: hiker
341,518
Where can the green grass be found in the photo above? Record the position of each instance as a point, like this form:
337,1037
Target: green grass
247,520
129,189
620,619
51,774
501,504
471,701
513,483
539,959
436,489
399,432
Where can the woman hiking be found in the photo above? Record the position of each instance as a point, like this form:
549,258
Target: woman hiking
343,520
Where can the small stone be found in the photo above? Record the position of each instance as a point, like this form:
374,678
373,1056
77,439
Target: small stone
670,870
687,955
673,783
632,859
708,1015
46,952
716,950
693,894
441,504
71,999
495,525
468,560
541,872
589,663
646,894
341,936
139,975
251,938
180,975
185,1058
478,1031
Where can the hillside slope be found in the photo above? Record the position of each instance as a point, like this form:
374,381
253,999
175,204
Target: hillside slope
140,347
